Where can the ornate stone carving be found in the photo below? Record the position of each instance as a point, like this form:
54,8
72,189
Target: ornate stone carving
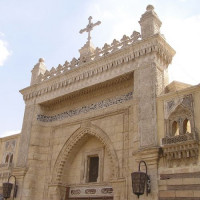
89,27
107,190
84,109
178,139
75,192
135,36
156,44
90,191
73,141
83,191
181,138
170,105
185,101
181,152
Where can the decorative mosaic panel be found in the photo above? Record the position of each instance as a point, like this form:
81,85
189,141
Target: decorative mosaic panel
85,109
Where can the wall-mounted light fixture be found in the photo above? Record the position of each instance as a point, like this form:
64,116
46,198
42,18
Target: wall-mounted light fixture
7,188
140,181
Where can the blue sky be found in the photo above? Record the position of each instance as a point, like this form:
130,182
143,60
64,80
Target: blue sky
50,29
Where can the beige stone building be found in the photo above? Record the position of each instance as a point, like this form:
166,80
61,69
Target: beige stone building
88,123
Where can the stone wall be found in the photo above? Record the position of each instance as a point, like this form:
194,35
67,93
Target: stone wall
179,162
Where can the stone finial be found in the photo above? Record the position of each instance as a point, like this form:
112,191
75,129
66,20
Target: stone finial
149,8
149,22
41,60
38,69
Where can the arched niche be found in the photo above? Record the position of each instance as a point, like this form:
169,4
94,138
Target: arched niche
77,139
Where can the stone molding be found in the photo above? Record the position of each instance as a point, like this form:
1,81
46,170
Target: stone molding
179,175
149,155
76,137
20,171
100,66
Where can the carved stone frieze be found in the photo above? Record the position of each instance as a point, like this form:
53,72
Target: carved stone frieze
107,190
85,109
90,191
75,192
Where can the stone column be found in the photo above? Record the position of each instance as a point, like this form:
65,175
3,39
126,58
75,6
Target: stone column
25,136
145,91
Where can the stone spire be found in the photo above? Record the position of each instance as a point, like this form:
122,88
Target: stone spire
38,69
149,22
88,48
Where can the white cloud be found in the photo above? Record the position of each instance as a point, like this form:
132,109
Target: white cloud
11,132
4,52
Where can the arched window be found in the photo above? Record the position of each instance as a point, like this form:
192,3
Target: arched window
186,126
175,128
11,158
7,158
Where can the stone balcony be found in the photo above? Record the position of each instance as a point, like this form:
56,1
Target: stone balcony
178,138
180,146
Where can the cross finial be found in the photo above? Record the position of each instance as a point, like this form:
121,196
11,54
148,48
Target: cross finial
89,28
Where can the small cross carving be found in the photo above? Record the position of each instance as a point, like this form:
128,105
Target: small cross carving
89,28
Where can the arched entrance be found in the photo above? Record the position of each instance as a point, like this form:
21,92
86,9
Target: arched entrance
85,166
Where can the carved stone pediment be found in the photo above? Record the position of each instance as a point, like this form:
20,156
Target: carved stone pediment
178,104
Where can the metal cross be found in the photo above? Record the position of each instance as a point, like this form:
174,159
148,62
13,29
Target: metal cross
89,28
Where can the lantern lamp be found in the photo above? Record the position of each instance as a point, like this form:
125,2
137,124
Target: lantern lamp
7,188
140,181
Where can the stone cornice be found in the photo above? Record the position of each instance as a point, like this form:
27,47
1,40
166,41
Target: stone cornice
11,137
105,67
106,84
168,96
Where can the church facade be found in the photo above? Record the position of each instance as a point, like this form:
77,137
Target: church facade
88,124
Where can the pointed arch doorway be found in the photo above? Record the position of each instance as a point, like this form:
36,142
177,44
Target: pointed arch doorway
86,165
